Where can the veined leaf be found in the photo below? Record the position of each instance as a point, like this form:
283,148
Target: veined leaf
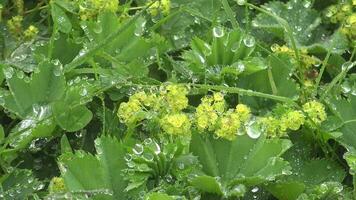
19,184
242,161
307,173
104,169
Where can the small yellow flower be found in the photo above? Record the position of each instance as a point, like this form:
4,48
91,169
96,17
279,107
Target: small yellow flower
292,120
127,111
176,97
176,124
207,113
228,126
316,111
243,111
272,126
161,5
15,26
56,185
30,33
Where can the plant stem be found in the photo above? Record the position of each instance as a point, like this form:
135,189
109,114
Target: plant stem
322,69
230,14
245,92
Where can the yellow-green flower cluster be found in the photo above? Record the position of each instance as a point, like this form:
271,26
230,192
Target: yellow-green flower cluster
19,5
292,120
56,185
228,125
167,106
175,97
91,8
30,33
307,60
158,6
15,26
132,111
278,126
343,13
230,122
211,115
208,112
316,111
176,124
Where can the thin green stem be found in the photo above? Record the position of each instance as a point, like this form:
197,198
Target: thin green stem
339,77
230,14
271,81
322,69
236,90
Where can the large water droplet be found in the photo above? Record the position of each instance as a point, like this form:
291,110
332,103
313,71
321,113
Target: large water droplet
218,31
249,41
253,130
241,2
255,189
140,27
346,88
347,66
307,3
9,72
138,149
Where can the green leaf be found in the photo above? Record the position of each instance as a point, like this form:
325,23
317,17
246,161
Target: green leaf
244,160
307,173
43,88
207,184
79,169
303,21
281,70
159,196
71,118
2,133
65,145
60,18
18,185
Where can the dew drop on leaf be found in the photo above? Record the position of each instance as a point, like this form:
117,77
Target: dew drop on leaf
255,189
347,66
241,2
138,149
253,130
249,41
218,32
9,72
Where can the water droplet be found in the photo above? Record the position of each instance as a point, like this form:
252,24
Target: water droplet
140,27
148,156
347,66
253,130
345,86
20,74
97,28
218,31
235,46
181,166
128,157
9,72
307,3
84,92
255,189
249,41
147,141
241,2
138,149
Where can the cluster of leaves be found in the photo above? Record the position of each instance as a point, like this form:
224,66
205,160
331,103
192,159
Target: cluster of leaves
177,99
